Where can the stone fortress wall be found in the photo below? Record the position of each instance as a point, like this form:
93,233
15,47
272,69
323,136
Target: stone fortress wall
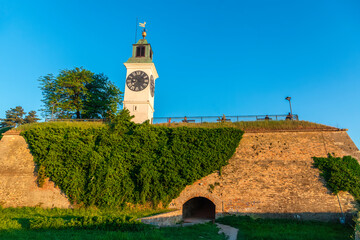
270,174
18,186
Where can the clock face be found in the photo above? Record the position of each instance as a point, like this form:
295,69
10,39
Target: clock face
137,81
152,85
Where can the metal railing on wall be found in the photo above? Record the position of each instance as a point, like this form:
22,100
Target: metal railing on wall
199,119
240,118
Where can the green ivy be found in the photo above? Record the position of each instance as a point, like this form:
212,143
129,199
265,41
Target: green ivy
341,174
128,163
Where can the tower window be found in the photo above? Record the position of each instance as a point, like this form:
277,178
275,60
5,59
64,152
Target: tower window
150,53
140,51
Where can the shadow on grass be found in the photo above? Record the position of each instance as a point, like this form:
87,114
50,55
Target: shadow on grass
252,228
201,231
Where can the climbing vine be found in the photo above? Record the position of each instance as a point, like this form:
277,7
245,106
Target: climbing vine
341,174
128,163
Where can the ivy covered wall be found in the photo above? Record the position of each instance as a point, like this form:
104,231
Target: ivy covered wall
126,162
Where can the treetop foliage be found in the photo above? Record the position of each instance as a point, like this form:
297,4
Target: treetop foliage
79,93
17,116
126,162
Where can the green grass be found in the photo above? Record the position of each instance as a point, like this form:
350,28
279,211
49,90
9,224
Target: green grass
30,212
285,229
245,126
16,223
84,125
256,125
201,231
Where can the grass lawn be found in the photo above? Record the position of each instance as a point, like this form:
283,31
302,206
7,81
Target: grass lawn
61,124
284,229
23,223
256,125
201,231
244,125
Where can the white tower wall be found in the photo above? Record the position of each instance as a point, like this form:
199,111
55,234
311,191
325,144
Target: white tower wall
141,103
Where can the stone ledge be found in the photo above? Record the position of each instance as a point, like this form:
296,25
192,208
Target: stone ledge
297,130
163,219
12,132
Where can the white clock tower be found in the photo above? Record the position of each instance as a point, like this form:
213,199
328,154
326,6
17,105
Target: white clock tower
140,82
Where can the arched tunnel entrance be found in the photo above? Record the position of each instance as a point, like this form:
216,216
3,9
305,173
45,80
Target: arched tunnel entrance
199,207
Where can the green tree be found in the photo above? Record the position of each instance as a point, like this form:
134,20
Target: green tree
16,116
79,93
102,99
31,117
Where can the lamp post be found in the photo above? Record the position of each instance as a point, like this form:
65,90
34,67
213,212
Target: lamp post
289,99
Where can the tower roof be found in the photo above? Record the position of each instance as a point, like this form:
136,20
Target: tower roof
142,52
141,41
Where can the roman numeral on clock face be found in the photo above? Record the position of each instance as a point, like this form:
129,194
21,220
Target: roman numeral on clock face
137,81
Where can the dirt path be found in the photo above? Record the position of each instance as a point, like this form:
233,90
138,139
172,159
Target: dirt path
230,232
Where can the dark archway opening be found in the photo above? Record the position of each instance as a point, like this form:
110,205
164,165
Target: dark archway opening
199,207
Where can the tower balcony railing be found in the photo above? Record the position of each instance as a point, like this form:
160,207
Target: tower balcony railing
239,118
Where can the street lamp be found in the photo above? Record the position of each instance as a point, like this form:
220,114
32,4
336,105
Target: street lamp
289,99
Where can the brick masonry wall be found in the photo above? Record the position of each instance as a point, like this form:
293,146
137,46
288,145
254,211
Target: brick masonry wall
18,185
164,219
271,174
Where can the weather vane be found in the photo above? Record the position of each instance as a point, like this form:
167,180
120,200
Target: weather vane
144,31
140,25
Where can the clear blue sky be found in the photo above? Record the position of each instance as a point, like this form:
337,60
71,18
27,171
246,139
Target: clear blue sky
213,57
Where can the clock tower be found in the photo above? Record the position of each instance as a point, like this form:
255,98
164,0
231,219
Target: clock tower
140,82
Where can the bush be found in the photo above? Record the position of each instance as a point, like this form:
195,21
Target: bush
341,174
127,162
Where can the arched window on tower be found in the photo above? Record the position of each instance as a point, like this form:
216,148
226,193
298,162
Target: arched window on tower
140,51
